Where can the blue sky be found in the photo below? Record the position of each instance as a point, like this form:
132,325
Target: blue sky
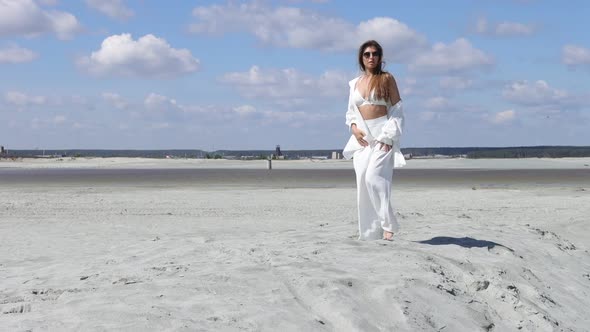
147,74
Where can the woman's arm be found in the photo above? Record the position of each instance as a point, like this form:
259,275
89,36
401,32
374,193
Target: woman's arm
393,90
392,130
350,113
351,119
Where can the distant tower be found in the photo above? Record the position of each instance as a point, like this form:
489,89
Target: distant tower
278,151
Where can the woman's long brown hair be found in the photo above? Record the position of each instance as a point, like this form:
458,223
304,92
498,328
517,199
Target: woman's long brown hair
382,79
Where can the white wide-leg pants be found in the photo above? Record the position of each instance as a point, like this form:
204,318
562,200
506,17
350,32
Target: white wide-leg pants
374,170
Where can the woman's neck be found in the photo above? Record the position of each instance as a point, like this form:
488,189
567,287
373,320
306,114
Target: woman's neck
369,73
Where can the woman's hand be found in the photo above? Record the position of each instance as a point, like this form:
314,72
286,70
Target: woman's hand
359,134
385,147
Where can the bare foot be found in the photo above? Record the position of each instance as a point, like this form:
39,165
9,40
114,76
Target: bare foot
387,236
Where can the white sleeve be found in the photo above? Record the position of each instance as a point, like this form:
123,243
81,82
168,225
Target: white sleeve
393,128
350,113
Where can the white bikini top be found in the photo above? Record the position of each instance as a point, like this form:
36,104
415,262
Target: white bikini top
359,101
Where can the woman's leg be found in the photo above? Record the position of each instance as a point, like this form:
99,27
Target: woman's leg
378,179
368,221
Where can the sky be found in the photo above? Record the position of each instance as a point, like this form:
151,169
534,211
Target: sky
238,75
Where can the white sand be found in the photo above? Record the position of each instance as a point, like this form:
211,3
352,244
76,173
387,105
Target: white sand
136,258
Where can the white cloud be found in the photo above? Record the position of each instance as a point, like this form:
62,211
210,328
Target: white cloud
502,117
169,110
59,119
416,86
48,2
408,87
245,110
36,123
400,43
298,28
149,56
481,26
113,8
26,18
156,102
428,115
537,93
574,55
540,94
253,77
292,118
287,85
437,103
161,125
504,29
22,99
303,1
455,83
449,110
48,122
78,125
514,29
116,100
16,54
332,82
456,57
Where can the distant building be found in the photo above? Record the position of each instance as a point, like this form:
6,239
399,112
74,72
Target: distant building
2,151
278,154
336,155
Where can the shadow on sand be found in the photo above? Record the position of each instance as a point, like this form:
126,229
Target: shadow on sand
465,242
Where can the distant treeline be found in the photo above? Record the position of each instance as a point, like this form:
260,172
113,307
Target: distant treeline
108,153
468,152
534,151
507,152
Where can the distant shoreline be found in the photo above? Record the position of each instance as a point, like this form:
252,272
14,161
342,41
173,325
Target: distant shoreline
310,164
427,152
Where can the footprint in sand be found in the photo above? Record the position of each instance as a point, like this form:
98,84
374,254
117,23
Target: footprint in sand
14,299
53,294
480,285
546,299
510,295
126,281
172,268
562,244
501,250
529,275
21,309
88,276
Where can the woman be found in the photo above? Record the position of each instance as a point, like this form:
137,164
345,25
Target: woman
375,118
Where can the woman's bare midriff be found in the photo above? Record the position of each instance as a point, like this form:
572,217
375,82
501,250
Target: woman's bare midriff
370,112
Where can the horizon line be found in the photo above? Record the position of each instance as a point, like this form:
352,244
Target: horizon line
194,149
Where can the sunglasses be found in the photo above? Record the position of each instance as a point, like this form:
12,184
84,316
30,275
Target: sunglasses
374,54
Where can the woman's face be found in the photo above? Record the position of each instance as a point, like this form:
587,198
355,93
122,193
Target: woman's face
371,58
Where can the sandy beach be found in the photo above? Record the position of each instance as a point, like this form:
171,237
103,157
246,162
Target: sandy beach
93,244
